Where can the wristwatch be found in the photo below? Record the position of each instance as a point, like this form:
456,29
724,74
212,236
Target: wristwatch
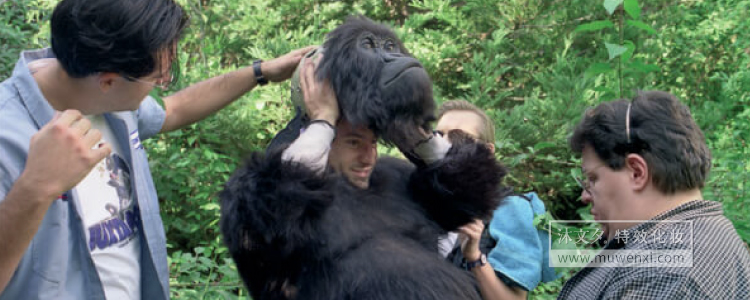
258,74
477,263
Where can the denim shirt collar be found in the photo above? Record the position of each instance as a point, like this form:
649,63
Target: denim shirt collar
41,111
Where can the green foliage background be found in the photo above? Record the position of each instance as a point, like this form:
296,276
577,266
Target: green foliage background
534,65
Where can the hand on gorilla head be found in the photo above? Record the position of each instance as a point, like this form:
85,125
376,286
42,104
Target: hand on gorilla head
282,68
319,100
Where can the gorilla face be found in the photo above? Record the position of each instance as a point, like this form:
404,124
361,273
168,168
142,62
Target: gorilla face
377,82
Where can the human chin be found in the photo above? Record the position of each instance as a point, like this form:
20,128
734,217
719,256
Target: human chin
358,179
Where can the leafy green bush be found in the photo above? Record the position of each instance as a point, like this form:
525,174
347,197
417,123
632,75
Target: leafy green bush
534,65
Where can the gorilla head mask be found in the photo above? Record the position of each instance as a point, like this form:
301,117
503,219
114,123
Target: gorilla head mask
377,82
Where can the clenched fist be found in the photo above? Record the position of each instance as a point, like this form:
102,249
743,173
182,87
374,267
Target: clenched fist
62,153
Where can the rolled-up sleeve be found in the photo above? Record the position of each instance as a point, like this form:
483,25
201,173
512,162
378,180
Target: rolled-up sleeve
151,118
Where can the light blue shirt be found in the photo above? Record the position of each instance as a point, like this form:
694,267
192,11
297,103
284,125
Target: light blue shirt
522,250
57,264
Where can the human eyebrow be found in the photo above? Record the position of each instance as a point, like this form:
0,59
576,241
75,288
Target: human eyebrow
354,135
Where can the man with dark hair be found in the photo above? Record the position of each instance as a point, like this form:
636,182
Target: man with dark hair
506,254
67,232
644,163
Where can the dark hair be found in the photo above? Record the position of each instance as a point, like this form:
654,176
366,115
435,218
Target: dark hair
661,130
487,134
120,36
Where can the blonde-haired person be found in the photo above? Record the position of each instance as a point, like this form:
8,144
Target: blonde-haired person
507,255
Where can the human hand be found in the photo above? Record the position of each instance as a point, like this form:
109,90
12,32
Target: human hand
282,68
61,155
319,97
470,235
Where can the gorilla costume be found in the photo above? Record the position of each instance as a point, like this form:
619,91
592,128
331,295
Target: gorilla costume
295,233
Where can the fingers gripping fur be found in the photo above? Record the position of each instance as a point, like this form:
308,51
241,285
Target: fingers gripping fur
461,187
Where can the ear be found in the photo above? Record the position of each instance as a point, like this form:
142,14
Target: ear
639,173
107,80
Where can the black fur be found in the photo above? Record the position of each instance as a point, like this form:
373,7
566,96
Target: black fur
298,235
467,174
295,234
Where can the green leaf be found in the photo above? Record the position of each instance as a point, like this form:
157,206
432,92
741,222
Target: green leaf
611,5
155,94
631,49
632,8
543,145
598,68
641,25
615,50
594,26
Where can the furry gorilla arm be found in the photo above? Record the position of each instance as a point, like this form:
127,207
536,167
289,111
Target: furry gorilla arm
298,235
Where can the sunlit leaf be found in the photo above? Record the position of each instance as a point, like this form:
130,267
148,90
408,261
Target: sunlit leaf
615,50
611,5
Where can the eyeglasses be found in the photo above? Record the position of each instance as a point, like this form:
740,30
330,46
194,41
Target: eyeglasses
160,83
583,180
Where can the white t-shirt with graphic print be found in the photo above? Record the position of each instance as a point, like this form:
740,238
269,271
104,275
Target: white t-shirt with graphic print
112,220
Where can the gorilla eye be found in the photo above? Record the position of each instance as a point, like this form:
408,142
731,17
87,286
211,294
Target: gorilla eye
367,43
389,46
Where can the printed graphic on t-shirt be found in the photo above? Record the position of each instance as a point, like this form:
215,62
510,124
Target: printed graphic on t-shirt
120,224
107,203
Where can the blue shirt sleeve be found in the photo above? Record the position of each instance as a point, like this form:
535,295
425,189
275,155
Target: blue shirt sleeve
151,118
5,181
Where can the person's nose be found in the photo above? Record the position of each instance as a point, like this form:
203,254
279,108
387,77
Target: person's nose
586,197
369,155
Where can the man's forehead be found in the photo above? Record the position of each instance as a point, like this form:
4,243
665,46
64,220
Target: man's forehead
589,158
345,129
468,121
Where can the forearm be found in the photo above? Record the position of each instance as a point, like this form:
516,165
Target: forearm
311,148
21,213
202,99
492,288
